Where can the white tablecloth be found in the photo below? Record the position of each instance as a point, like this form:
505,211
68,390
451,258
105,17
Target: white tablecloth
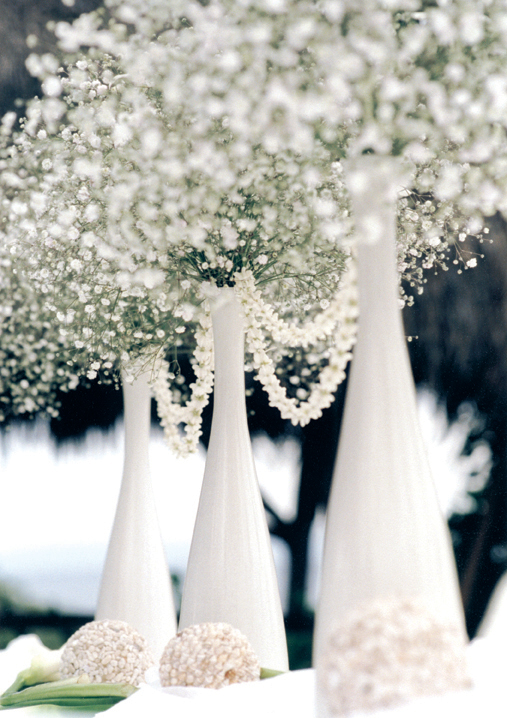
290,695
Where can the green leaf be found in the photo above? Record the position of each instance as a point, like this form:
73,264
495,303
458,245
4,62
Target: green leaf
70,692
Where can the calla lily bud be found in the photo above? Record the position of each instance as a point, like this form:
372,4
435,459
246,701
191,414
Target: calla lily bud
44,668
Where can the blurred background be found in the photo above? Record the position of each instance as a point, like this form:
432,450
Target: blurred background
59,480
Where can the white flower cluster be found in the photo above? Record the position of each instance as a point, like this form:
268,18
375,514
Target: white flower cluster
36,360
402,77
187,133
172,414
186,143
337,320
99,319
431,233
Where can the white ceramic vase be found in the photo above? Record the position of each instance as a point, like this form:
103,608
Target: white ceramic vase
136,584
385,533
231,574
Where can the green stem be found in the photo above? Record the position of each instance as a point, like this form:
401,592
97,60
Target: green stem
270,673
69,693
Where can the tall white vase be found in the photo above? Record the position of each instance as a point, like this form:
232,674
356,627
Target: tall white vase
136,584
230,574
385,534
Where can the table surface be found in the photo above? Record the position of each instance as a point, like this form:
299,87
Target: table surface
291,694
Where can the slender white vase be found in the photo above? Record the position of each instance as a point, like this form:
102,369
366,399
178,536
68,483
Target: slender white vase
230,574
385,534
136,584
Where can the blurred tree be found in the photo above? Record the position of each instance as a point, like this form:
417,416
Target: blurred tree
461,353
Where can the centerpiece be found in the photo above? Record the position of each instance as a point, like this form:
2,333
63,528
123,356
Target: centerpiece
190,179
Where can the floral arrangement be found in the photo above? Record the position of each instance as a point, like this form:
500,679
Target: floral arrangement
33,352
184,148
31,349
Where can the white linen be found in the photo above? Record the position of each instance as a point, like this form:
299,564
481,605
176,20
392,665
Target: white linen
291,694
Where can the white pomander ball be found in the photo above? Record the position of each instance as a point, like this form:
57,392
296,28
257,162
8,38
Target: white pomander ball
387,652
108,652
210,655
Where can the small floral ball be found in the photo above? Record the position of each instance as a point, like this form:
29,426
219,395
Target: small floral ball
387,652
108,652
211,655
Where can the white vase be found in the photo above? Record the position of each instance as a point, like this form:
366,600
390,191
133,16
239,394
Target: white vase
136,584
231,574
385,533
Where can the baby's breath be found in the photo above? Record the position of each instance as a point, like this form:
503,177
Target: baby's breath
172,413
186,146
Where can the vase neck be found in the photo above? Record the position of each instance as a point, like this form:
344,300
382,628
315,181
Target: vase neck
136,416
377,275
229,350
373,184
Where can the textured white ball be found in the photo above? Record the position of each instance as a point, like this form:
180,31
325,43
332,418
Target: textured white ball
387,652
108,652
211,655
